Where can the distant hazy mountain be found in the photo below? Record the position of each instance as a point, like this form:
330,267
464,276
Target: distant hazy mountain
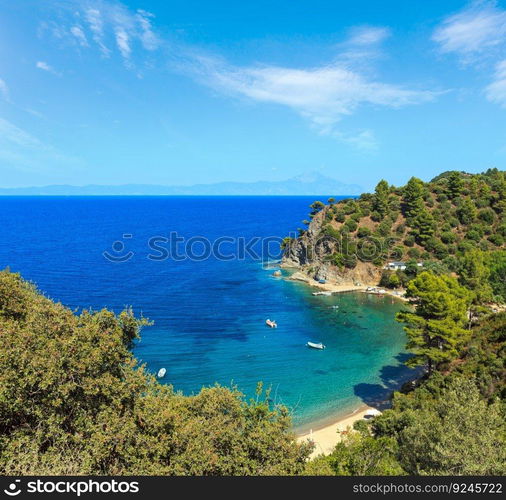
312,183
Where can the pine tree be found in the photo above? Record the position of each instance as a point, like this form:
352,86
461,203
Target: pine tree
455,184
436,328
381,198
413,197
424,225
467,212
474,275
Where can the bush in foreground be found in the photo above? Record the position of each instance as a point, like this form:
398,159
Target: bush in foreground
74,401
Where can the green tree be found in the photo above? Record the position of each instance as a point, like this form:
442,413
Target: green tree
435,329
474,274
412,197
424,226
457,433
455,184
381,198
496,262
467,212
316,207
358,455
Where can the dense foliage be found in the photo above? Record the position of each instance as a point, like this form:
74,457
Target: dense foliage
74,401
436,328
438,223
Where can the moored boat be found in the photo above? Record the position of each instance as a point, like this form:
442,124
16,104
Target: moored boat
316,345
161,373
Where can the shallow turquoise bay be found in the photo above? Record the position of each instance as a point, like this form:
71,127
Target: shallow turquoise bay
210,314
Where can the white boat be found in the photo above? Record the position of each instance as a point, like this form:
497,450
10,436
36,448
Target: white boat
316,345
161,373
327,294
271,323
372,412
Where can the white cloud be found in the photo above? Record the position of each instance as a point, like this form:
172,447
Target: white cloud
78,33
21,150
368,35
46,67
477,35
122,42
496,91
323,94
364,140
106,18
14,135
43,65
4,90
149,40
478,29
96,25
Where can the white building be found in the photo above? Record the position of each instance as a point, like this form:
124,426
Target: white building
399,266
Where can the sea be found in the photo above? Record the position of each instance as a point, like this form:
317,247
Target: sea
201,268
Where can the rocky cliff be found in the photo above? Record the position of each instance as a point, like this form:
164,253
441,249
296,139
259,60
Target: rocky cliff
311,254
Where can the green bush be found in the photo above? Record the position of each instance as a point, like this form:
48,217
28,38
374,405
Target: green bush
74,401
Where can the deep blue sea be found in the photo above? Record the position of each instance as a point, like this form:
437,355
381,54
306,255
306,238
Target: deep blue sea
209,311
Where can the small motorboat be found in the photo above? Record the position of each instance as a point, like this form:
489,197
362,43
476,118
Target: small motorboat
161,373
271,324
316,345
372,412
326,294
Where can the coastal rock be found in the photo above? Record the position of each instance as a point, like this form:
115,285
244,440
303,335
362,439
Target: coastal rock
310,254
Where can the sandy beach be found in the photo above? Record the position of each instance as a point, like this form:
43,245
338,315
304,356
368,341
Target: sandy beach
346,287
326,438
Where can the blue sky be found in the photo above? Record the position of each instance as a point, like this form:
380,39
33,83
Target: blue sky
184,92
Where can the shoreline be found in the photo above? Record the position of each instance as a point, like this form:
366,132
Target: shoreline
300,277
326,437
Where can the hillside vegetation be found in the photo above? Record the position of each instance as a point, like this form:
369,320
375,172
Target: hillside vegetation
438,223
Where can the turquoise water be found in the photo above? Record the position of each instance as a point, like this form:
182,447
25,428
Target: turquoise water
210,314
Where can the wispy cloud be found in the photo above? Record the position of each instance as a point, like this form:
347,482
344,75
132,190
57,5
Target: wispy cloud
496,91
21,150
364,140
368,35
477,30
96,26
44,66
323,95
107,25
79,35
148,38
477,36
122,42
4,91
